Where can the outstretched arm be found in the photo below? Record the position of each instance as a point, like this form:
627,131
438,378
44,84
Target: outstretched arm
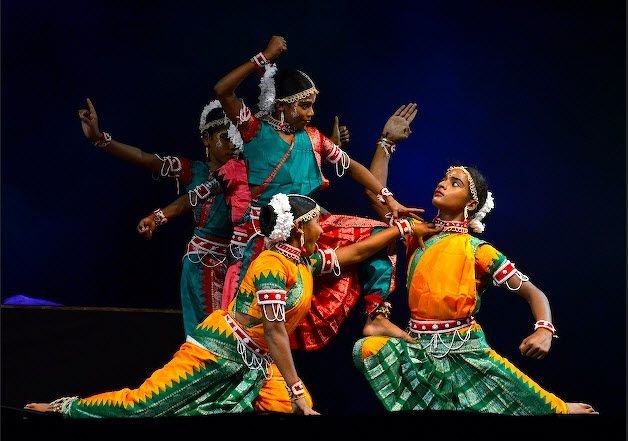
362,250
364,177
396,129
128,153
225,87
147,226
537,344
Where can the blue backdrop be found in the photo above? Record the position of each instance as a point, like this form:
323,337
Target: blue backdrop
531,94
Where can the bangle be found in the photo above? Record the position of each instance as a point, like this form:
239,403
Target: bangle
386,144
61,405
103,140
382,193
547,325
259,59
383,308
296,391
405,226
159,217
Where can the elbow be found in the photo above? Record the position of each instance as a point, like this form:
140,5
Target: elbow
219,90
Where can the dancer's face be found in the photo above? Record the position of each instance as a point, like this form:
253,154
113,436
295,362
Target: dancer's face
312,231
452,194
300,113
221,149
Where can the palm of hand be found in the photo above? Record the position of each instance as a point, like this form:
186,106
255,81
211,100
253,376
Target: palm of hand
397,128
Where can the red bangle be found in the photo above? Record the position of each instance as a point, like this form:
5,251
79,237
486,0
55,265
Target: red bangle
547,325
405,226
296,391
260,59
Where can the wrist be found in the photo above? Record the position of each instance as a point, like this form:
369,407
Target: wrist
545,326
386,144
260,60
384,195
103,140
296,390
159,217
404,226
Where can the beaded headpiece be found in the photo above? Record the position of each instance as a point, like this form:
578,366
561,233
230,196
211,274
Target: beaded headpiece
299,95
306,217
232,131
474,192
268,93
204,124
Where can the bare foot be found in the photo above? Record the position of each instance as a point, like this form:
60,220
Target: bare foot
581,408
39,407
380,325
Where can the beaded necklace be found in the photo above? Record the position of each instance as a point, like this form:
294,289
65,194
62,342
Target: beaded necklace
452,226
292,253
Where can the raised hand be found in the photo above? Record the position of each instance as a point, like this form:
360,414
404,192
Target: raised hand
147,226
276,46
89,122
339,134
397,128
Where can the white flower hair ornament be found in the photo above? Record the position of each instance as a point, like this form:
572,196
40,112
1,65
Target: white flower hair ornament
285,219
204,124
267,94
234,136
476,221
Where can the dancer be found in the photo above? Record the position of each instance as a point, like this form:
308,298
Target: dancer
284,153
234,357
218,196
451,366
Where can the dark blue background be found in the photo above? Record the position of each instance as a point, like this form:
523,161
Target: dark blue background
532,94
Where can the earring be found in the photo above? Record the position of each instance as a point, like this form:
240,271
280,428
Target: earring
281,117
207,152
466,213
302,240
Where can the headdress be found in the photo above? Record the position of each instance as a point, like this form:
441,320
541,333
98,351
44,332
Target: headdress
204,124
299,95
232,130
285,219
306,217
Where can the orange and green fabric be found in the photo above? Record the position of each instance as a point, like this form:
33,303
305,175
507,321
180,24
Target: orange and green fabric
207,374
336,296
449,372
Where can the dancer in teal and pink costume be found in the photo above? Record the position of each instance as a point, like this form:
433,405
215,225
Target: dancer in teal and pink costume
284,153
216,193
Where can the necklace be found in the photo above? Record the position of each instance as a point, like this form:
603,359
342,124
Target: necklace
279,125
292,253
452,226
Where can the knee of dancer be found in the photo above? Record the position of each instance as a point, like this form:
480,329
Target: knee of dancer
369,346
